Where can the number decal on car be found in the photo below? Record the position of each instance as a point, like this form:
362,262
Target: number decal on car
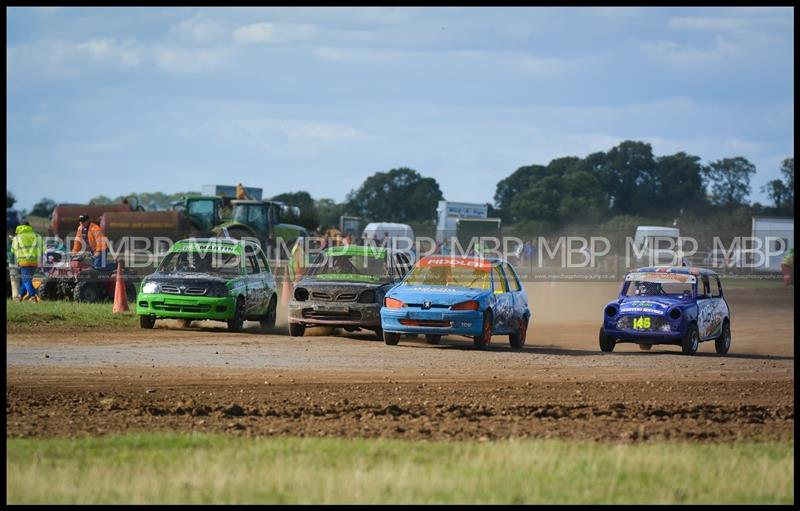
641,323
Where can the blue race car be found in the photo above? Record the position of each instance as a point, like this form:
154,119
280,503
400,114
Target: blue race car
470,296
668,305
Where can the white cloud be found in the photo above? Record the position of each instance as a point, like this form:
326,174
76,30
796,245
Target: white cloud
325,131
126,53
258,33
197,29
189,61
709,23
684,55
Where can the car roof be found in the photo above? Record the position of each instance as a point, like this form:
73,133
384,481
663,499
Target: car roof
687,270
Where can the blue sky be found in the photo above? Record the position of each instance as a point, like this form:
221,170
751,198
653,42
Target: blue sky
116,100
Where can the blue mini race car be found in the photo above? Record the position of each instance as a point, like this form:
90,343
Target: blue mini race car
668,305
470,296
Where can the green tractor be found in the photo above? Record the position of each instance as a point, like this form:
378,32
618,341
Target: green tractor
260,219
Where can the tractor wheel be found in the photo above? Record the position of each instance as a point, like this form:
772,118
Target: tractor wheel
86,291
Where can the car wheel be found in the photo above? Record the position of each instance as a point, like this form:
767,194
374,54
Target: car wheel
296,329
379,334
433,338
483,340
645,347
86,291
268,321
147,322
184,323
723,343
236,323
691,341
517,339
391,338
606,343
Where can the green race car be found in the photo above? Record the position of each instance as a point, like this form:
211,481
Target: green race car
219,279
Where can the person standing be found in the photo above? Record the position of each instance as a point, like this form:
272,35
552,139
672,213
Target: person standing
91,236
27,247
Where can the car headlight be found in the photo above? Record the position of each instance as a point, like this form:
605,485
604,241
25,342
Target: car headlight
665,327
149,288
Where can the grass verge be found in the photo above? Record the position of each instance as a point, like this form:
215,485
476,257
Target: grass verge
187,468
63,315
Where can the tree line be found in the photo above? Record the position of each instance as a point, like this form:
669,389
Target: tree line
626,180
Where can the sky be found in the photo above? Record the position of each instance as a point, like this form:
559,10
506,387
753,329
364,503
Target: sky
109,101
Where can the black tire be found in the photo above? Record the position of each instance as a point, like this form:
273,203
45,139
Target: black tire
690,341
391,338
723,343
49,290
483,340
268,320
236,323
606,343
147,322
296,329
517,339
86,291
433,338
379,334
645,347
184,323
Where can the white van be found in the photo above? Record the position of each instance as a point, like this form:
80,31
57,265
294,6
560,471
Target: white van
376,231
651,244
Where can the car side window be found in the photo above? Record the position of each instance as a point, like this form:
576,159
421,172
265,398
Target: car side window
262,259
402,263
251,264
716,288
500,285
706,288
513,281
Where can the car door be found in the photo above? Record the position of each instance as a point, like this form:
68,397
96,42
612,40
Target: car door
704,307
719,308
267,278
518,294
255,288
504,302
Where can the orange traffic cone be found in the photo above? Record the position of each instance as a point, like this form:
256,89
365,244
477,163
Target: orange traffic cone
286,291
120,297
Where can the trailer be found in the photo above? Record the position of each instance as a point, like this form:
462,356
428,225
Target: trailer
448,213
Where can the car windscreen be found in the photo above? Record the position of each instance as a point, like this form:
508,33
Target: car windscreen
648,288
352,268
214,263
477,278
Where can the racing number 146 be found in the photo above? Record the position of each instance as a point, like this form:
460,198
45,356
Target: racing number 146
641,323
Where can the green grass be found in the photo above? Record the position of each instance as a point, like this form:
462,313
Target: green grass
185,468
58,315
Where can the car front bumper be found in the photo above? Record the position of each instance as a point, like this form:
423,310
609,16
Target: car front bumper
165,306
437,322
644,336
335,313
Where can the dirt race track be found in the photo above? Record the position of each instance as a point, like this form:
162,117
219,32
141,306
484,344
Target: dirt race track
559,386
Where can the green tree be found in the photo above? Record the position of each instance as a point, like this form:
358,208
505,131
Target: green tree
678,183
329,213
628,174
509,188
308,218
728,180
777,192
10,200
100,200
399,195
787,169
43,208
